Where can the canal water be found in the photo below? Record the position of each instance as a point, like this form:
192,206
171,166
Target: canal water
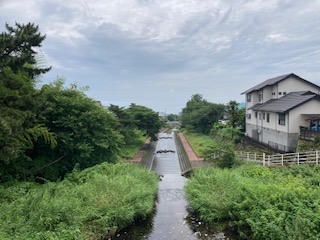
171,219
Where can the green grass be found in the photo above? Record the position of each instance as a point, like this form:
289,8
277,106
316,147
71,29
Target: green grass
130,151
86,205
202,142
199,142
258,202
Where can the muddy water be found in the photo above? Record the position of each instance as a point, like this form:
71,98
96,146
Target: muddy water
171,219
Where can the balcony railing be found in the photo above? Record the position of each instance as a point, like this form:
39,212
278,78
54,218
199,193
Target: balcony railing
307,134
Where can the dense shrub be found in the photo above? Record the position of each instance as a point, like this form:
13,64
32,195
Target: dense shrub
259,203
221,155
87,205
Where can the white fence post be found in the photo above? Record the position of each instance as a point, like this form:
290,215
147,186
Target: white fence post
317,156
263,159
298,158
268,160
281,159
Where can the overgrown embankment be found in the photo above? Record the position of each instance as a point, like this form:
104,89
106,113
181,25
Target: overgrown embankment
86,205
258,202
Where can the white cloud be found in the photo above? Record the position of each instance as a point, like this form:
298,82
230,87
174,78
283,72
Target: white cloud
136,50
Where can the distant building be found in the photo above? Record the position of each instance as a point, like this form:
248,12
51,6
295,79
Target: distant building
162,115
278,108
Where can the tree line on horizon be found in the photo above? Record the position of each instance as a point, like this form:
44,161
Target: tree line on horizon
200,115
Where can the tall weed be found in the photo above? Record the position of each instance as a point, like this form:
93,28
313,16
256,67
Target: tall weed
258,202
87,205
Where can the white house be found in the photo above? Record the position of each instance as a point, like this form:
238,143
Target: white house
278,107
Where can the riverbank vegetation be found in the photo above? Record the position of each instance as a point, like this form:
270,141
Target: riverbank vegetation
253,201
60,152
46,131
88,204
259,202
200,124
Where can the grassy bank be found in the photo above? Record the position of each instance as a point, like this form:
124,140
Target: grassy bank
199,142
86,205
258,202
130,150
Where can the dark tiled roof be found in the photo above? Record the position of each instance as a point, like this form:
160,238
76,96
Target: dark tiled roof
286,103
275,80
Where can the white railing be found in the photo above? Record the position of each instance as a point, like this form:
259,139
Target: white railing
263,159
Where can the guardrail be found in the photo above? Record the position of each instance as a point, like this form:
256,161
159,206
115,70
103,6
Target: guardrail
307,134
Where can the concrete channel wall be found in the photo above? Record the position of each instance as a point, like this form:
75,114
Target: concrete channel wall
149,155
184,161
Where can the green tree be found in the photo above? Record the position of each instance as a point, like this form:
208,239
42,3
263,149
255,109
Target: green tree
199,115
127,127
17,49
85,132
236,115
146,120
232,110
173,117
19,126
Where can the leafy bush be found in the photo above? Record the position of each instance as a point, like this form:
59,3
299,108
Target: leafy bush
259,203
87,205
221,155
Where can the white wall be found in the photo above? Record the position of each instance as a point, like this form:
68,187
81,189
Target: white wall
274,90
294,85
297,120
267,93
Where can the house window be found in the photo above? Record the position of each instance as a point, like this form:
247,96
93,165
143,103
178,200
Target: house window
248,97
259,116
260,97
284,93
264,116
248,115
256,114
280,93
282,119
268,117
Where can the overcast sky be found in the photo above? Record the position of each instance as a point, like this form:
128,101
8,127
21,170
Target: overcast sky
158,53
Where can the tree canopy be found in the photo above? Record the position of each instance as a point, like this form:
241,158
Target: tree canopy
46,132
199,115
146,120
17,49
19,127
236,115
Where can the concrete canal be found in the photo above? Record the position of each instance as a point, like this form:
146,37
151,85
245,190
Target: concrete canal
171,219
